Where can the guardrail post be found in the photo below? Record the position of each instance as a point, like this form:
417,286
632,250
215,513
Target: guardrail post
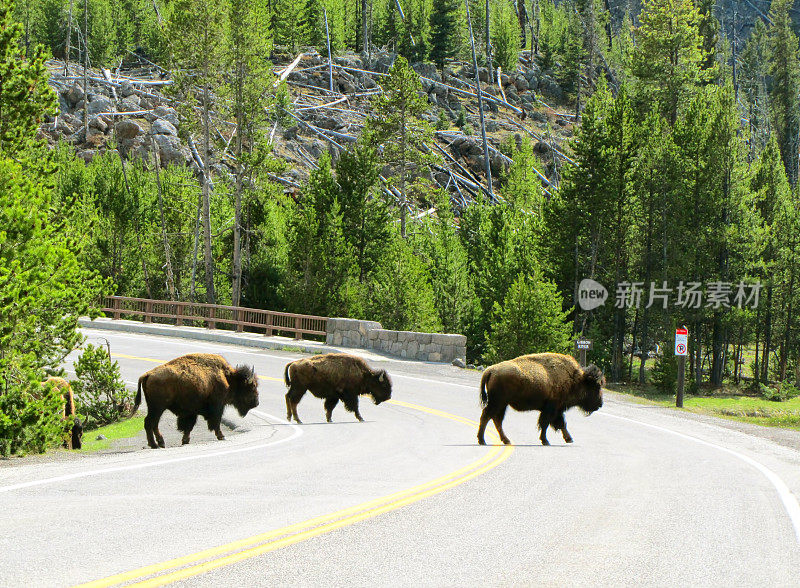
297,334
116,308
148,309
212,314
239,325
268,323
179,315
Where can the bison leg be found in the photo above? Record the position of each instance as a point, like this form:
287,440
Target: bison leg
330,404
186,423
546,418
498,417
154,438
293,397
351,404
485,418
560,424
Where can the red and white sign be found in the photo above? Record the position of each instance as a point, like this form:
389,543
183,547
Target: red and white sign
682,341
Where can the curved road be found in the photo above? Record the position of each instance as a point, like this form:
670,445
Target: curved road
644,496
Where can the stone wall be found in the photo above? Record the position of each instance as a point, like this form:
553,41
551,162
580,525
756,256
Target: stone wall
406,344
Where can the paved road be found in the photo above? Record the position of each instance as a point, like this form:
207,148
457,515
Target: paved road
643,497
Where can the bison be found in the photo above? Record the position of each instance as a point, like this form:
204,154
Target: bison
548,382
76,431
334,377
192,385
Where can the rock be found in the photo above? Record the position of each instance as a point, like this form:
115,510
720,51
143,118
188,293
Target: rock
290,134
170,150
87,155
100,104
127,129
491,126
330,123
458,362
100,438
126,90
98,123
95,137
549,88
427,70
130,104
163,127
505,80
167,113
521,83
470,366
74,94
541,148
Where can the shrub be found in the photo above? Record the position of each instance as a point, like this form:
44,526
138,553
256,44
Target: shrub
665,371
773,394
530,321
99,390
30,418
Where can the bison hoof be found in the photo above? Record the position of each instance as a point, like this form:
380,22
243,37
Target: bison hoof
481,441
506,441
568,440
545,442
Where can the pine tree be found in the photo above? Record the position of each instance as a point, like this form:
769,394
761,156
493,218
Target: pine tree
785,93
397,126
43,287
197,32
445,35
530,320
249,43
668,56
505,36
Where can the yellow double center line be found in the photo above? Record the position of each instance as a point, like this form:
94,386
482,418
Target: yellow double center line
204,561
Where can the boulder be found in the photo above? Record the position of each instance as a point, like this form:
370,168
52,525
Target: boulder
100,104
550,88
74,94
95,137
127,129
167,113
126,90
163,127
458,362
427,70
130,104
170,150
97,122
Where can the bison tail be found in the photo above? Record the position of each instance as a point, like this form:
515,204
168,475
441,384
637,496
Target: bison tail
484,395
138,400
286,374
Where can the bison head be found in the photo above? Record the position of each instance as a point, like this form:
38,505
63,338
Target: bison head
592,384
380,387
244,389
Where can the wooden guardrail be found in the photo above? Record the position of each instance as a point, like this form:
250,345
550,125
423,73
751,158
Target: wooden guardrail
208,315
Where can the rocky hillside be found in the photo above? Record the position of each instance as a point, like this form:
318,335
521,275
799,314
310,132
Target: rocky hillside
129,108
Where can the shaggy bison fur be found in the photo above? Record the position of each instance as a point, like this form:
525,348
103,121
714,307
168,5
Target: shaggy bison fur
548,382
191,385
334,377
75,439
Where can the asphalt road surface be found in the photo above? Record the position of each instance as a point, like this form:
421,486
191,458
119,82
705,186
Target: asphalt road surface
645,496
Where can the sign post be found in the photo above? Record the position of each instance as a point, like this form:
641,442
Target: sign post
681,351
583,345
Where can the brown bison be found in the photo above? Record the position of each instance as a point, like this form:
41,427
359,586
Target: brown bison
76,431
548,382
334,377
192,385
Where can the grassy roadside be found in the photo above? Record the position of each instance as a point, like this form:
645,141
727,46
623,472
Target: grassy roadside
121,430
748,409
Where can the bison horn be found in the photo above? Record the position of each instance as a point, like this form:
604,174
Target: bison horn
381,377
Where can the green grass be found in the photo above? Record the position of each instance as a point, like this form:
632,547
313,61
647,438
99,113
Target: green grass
725,403
121,430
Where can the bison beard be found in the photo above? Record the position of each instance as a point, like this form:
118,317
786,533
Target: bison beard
198,384
548,382
334,377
